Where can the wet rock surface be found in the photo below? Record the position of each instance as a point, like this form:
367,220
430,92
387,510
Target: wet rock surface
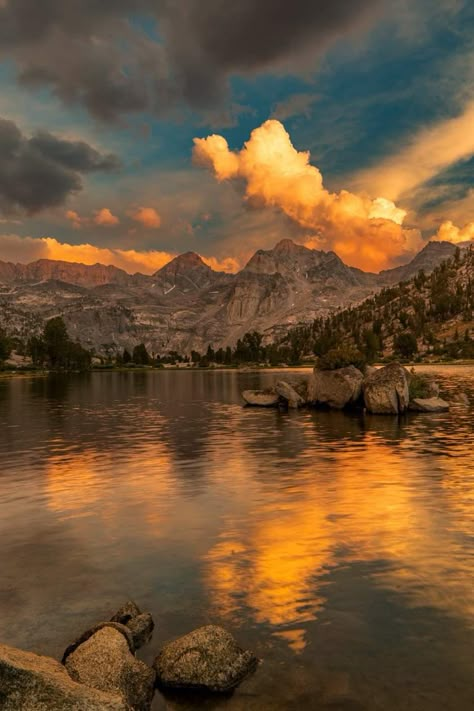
289,394
30,682
431,404
208,659
105,662
386,390
260,398
139,623
336,388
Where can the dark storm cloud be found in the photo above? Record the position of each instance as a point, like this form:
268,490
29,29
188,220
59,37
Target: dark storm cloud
42,171
107,56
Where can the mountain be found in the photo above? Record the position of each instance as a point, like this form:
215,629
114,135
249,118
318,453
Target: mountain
430,257
427,315
187,305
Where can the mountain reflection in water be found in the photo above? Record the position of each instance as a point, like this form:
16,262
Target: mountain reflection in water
338,546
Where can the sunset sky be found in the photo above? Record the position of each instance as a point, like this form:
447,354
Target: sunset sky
134,130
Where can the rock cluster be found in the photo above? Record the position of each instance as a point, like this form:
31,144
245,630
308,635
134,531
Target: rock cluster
100,671
384,391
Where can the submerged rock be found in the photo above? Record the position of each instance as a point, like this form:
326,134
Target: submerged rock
430,404
288,393
336,388
139,623
208,658
386,390
260,398
460,397
31,682
104,661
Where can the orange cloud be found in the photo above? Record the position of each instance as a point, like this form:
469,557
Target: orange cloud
147,216
105,218
367,233
75,218
102,217
228,264
448,232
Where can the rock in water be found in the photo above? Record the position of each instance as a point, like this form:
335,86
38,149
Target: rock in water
208,658
260,398
288,393
386,391
126,613
460,397
336,388
104,662
429,404
29,682
139,623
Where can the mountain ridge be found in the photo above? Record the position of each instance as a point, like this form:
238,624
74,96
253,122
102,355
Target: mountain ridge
186,304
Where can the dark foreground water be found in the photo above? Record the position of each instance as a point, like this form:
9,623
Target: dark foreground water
339,547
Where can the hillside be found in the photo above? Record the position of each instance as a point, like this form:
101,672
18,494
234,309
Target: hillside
186,305
427,316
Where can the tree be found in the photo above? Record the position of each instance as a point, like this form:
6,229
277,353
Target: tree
140,355
5,347
56,342
126,357
405,344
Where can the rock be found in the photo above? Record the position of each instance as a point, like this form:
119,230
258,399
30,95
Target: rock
208,658
104,661
141,628
139,623
31,682
386,391
288,393
336,388
430,404
260,398
432,389
460,398
127,612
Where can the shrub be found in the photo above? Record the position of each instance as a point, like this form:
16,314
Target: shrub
419,386
341,357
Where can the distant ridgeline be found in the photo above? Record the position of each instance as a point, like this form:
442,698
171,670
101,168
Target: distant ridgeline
428,315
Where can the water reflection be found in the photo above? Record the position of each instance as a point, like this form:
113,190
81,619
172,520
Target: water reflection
306,531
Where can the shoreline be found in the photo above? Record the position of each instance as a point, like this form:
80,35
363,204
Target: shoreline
19,373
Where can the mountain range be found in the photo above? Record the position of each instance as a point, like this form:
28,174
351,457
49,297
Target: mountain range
186,304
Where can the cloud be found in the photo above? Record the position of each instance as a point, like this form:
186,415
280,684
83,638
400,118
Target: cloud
449,232
366,233
426,154
104,218
181,51
28,249
147,216
42,171
294,105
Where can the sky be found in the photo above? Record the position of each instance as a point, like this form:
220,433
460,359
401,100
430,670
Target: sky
136,130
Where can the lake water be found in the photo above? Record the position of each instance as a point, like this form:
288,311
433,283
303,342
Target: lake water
339,547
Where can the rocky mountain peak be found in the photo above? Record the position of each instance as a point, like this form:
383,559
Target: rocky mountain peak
188,261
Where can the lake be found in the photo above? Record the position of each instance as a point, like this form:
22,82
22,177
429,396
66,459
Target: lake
338,547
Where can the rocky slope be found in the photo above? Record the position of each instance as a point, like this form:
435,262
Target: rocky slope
186,304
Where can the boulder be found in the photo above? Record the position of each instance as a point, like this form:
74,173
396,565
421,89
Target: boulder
386,391
104,661
336,388
287,392
429,404
459,397
139,623
31,682
261,398
208,658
